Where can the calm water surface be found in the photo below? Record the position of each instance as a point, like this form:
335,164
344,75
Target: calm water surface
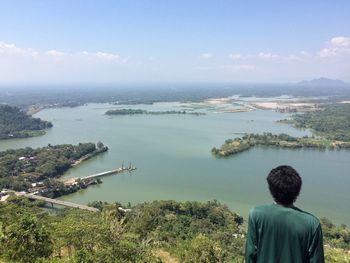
173,159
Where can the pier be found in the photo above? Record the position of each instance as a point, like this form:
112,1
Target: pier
122,169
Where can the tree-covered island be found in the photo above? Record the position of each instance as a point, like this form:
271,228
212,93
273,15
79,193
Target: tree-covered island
37,170
15,123
140,111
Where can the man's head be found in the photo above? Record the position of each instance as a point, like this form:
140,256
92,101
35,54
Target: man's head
284,184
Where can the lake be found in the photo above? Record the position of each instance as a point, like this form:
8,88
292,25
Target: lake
172,154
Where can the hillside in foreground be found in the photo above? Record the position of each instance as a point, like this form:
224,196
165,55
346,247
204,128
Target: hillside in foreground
160,231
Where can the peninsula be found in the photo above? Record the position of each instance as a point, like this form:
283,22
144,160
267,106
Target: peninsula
37,170
332,121
15,123
237,145
330,125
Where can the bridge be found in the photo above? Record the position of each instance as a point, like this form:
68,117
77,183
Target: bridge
72,181
57,202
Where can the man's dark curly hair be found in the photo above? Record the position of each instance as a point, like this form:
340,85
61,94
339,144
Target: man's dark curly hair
284,184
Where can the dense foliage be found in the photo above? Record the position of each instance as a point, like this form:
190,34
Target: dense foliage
161,231
16,124
190,231
333,121
19,168
238,145
336,236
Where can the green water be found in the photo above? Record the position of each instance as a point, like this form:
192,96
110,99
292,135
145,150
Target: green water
173,159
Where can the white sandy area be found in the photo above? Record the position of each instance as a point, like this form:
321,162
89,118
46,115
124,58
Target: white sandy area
279,105
267,105
300,104
217,101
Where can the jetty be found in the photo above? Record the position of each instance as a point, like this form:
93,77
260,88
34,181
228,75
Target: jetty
122,169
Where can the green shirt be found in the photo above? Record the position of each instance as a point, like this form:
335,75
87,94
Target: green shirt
278,234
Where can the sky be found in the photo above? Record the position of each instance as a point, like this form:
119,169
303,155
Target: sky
139,41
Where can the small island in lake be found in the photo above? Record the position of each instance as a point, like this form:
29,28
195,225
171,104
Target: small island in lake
15,123
37,170
140,111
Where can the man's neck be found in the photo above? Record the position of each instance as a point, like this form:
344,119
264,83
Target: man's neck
290,205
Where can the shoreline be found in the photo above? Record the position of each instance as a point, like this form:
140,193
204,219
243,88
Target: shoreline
248,141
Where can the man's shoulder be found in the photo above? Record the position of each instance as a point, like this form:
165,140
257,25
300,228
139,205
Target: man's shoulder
273,209
308,216
261,209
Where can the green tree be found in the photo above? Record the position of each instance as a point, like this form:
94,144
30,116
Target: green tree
202,250
100,145
26,240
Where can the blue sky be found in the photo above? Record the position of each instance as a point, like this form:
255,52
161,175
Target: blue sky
173,41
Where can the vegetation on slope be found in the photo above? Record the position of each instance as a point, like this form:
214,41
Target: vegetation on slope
238,145
16,124
186,231
190,231
21,167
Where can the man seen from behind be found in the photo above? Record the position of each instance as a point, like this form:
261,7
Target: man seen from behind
281,232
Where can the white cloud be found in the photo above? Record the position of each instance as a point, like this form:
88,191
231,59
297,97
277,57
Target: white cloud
267,55
107,56
340,41
100,56
235,56
26,65
337,47
12,50
55,53
206,55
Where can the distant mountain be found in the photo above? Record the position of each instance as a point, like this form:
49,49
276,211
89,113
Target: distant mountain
324,82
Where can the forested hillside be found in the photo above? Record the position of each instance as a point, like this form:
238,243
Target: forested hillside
15,123
161,231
